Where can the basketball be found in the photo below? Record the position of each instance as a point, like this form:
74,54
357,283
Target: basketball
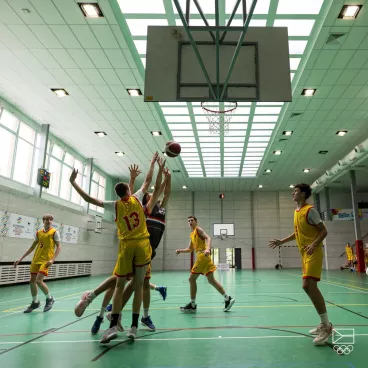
172,149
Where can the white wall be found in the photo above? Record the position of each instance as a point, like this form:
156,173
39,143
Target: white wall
101,249
341,198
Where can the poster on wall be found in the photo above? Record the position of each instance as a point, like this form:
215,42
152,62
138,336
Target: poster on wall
20,226
3,227
70,234
55,225
347,214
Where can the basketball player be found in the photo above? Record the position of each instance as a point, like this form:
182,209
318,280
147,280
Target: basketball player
44,242
134,249
349,252
309,232
202,266
109,284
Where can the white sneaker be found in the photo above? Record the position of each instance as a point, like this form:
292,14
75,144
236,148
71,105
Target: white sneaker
82,305
132,333
316,330
109,334
324,334
119,325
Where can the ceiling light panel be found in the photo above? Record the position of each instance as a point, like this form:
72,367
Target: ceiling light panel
297,47
142,6
138,27
296,27
141,46
299,6
294,63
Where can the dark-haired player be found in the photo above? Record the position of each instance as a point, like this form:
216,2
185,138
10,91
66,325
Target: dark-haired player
309,232
200,242
44,242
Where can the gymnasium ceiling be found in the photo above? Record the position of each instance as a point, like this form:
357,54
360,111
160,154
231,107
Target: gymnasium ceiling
50,44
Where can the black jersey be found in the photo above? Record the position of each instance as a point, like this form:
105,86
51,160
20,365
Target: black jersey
156,227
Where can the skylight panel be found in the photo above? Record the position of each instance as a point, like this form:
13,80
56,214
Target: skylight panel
138,27
233,154
259,139
254,154
201,119
185,140
233,144
299,6
267,110
178,119
203,127
238,127
188,145
143,61
234,149
142,6
210,145
208,7
189,154
255,149
209,139
260,133
180,126
296,27
262,126
258,144
210,150
195,22
240,118
252,23
141,46
261,7
297,47
265,119
175,110
242,111
182,133
203,133
236,133
294,63
211,154
234,139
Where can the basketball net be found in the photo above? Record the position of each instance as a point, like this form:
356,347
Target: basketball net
218,119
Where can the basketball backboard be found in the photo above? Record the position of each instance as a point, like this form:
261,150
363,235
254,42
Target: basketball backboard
261,71
223,230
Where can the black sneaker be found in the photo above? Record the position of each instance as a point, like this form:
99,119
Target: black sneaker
34,305
189,308
228,304
49,303
96,326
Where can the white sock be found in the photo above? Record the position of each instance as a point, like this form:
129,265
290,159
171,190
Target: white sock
145,312
102,312
193,302
48,296
226,297
324,318
35,298
92,296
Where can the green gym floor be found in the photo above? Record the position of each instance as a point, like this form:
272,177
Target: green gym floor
267,326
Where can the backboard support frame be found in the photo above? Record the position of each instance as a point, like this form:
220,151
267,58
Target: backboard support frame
219,92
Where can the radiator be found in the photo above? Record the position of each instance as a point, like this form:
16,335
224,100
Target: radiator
10,275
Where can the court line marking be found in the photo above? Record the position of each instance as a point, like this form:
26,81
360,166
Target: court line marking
348,310
166,339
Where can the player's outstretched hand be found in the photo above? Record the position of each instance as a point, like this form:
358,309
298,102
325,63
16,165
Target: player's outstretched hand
16,263
73,175
274,243
178,251
161,162
155,156
134,171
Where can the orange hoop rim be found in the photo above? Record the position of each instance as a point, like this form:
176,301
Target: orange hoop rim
219,111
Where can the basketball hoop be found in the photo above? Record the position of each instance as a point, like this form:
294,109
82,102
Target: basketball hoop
218,118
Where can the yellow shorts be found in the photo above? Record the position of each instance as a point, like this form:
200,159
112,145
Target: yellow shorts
203,265
132,253
39,268
350,259
312,264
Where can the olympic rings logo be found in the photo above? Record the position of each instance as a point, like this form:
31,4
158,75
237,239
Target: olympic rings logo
343,349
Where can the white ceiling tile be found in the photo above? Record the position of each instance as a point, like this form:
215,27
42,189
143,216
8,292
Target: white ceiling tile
23,33
61,77
119,36
98,58
78,77
45,35
118,90
63,59
81,58
85,36
110,76
127,104
30,61
104,91
69,11
8,39
8,15
126,77
116,58
105,36
46,59
65,36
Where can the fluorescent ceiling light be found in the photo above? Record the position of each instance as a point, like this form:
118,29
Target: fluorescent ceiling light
210,145
238,127
297,47
299,6
188,145
248,175
296,27
91,10
142,6
156,133
184,187
120,153
60,92
100,134
291,186
141,46
306,170
138,27
180,126
233,144
242,111
210,150
260,133
278,152
349,11
341,133
294,63
267,110
134,92
203,127
152,187
262,6
178,119
265,119
260,186
268,170
175,110
308,92
263,126
189,154
254,154
235,149
287,132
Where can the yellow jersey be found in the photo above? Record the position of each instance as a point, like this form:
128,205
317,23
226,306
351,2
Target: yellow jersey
130,219
45,249
199,244
349,253
305,233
